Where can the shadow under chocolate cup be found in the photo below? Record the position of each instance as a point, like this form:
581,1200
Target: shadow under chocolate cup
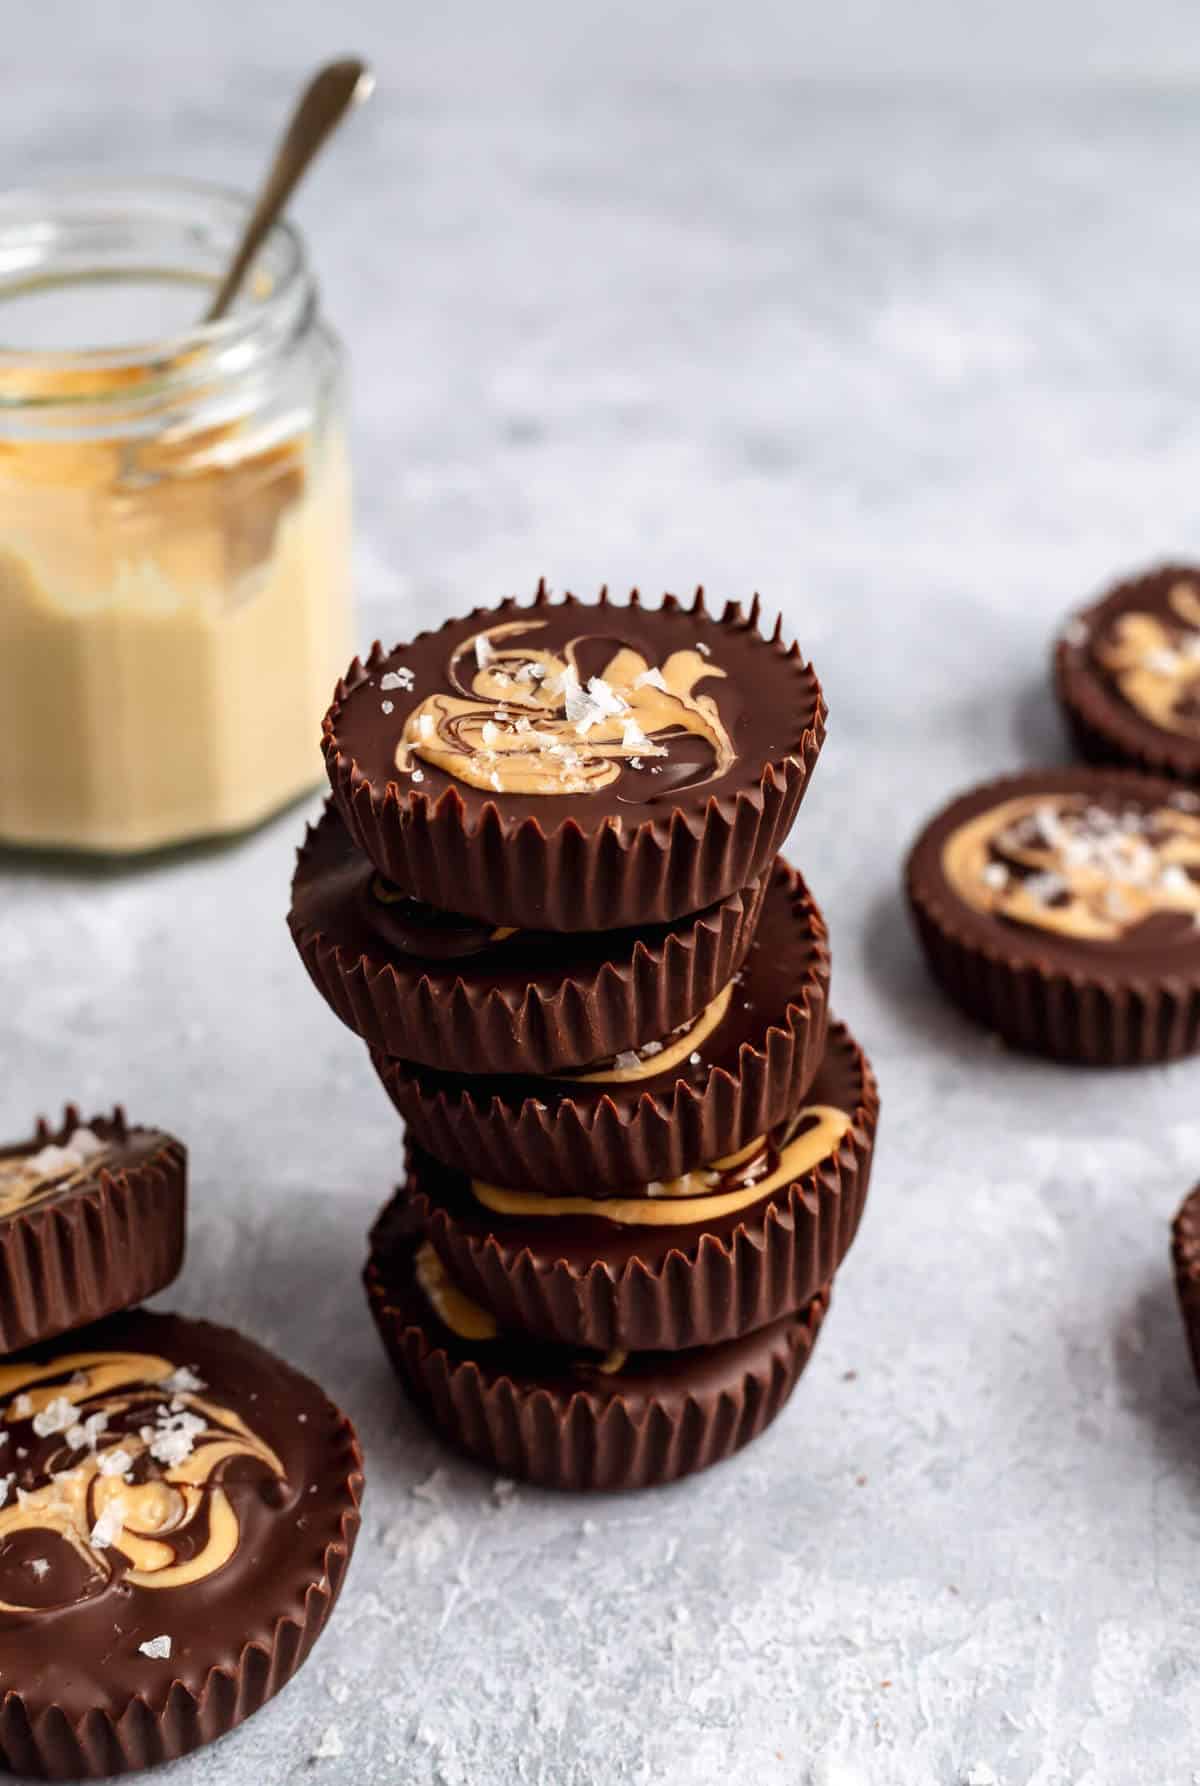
566,765
753,1241
187,1509
698,1096
455,994
1060,908
1127,674
92,1219
579,1421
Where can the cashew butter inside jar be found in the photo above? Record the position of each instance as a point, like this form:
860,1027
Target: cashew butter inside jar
174,520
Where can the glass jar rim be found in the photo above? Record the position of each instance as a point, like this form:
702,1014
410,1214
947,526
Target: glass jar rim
63,221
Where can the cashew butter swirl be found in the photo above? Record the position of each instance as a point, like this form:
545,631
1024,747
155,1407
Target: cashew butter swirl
1064,864
135,1469
526,723
1156,664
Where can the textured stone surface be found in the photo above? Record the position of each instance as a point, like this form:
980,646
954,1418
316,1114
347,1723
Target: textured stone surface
653,303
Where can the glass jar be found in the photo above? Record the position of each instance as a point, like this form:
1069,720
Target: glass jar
174,519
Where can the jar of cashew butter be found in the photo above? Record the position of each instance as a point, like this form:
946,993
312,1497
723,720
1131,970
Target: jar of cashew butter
174,520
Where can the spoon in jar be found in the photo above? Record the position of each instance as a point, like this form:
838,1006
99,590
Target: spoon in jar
333,91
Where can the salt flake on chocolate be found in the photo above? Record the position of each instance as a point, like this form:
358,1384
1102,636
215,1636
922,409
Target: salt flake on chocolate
401,678
55,1417
109,1526
184,1382
157,1648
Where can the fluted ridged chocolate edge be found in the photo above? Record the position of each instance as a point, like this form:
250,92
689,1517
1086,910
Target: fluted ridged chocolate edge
38,1738
568,1147
581,1442
1104,730
435,1016
1087,1019
568,878
717,1288
1185,1259
104,1247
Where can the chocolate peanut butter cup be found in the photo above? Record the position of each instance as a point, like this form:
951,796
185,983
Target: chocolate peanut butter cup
566,765
469,997
1061,908
684,1100
1185,1257
179,1510
716,1254
1127,670
566,1419
91,1220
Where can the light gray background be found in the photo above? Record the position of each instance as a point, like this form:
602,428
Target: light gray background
764,297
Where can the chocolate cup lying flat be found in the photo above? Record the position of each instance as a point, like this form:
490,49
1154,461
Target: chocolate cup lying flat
1106,728
107,1673
588,1282
84,1242
576,1134
659,842
1185,1257
564,1420
1127,1003
526,1002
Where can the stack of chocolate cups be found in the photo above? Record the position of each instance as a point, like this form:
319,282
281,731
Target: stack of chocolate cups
546,893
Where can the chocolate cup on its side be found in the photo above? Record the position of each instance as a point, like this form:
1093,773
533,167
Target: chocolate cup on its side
1105,727
605,860
1087,1003
81,1697
544,1415
531,1002
587,1282
104,1243
1185,1258
560,1134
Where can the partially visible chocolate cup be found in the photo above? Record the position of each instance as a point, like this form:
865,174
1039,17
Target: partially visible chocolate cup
681,1102
466,997
180,1512
750,1243
1127,671
567,765
1061,909
1185,1258
578,1421
92,1218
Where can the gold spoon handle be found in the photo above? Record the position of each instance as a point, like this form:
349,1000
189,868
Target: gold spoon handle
331,93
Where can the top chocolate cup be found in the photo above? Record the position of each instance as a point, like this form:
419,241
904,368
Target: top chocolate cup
1127,670
575,765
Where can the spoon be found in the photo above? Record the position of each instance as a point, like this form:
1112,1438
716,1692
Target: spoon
333,91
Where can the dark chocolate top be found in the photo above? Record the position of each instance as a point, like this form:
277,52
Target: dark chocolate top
634,1377
1140,648
163,1479
68,1161
338,894
787,961
581,1239
587,711
1076,869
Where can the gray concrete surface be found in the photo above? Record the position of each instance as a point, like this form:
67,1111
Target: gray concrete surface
659,298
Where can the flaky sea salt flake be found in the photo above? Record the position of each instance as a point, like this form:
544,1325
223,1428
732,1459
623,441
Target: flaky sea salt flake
55,1417
108,1527
157,1648
330,1746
